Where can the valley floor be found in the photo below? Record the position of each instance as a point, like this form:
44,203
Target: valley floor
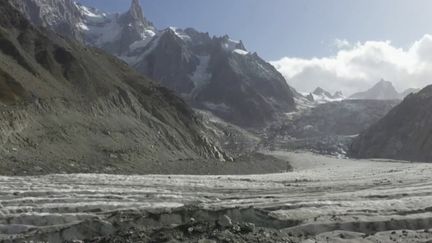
324,199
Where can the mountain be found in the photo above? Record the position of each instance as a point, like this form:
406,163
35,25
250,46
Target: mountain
383,90
216,74
404,133
319,95
115,33
211,73
62,16
69,108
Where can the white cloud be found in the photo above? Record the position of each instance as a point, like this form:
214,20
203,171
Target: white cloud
357,67
341,43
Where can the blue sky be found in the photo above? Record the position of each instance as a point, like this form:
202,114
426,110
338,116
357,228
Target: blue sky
301,28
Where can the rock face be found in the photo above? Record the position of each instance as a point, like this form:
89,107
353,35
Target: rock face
383,90
216,74
69,108
404,133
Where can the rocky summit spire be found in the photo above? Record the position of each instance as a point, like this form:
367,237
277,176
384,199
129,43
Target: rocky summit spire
136,11
135,16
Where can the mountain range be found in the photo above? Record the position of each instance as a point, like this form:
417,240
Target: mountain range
45,76
70,108
211,73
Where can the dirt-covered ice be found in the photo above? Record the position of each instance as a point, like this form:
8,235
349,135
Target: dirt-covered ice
324,199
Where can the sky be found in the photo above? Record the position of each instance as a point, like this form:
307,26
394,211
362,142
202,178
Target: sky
338,45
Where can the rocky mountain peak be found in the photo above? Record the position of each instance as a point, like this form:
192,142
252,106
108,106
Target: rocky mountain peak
385,84
135,15
320,95
321,91
136,8
217,74
383,90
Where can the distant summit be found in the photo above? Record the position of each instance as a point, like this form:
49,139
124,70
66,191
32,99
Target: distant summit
319,95
383,90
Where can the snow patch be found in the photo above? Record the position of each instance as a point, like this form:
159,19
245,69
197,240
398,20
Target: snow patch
82,26
320,99
241,52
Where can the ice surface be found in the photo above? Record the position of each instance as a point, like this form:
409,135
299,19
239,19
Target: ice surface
321,192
